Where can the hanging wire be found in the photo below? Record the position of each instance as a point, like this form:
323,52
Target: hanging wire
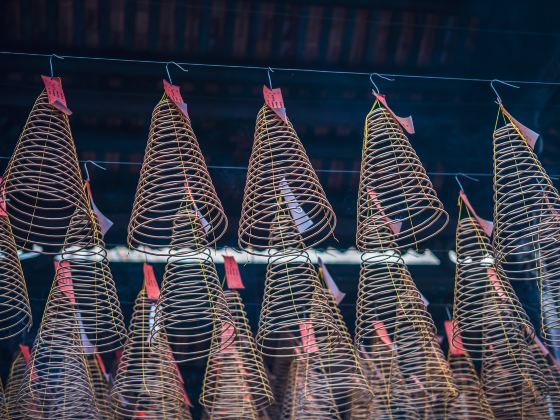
268,71
466,176
504,83
169,74
50,62
93,163
380,76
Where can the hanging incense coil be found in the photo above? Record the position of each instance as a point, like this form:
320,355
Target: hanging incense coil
88,288
486,309
236,380
146,380
278,375
173,178
42,181
393,180
15,311
100,389
280,176
551,373
16,378
3,405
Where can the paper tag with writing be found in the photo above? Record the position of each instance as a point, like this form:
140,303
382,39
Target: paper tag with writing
205,224
449,325
64,279
493,276
301,219
308,340
150,282
26,354
233,276
273,99
104,222
55,94
405,123
3,209
227,337
486,225
174,94
394,226
338,295
529,135
382,333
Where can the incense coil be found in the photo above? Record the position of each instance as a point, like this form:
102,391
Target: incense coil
147,380
3,406
173,177
85,286
279,176
552,377
42,181
100,390
526,206
549,285
486,309
393,179
278,376
15,311
16,378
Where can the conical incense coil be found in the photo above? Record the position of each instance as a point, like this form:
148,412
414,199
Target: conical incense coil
486,309
236,378
42,181
174,176
552,377
15,312
549,285
279,372
147,381
100,388
57,383
3,406
393,180
16,378
526,204
280,176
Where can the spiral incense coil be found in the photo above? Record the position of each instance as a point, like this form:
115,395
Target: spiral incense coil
3,406
42,181
174,176
15,312
16,379
280,176
393,180
486,309
552,378
236,378
100,389
147,381
280,369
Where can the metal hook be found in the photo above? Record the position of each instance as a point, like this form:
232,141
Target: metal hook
93,163
502,82
268,71
167,70
381,77
50,62
466,176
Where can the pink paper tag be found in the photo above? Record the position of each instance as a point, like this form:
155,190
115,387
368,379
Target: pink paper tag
273,98
150,282
449,325
226,339
382,333
174,94
338,295
100,363
308,340
55,94
64,279
3,209
529,135
25,352
496,283
406,123
233,276
394,226
486,225
104,222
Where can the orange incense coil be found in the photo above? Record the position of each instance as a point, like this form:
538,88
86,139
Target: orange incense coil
16,378
486,309
280,176
147,381
236,379
42,181
174,178
100,389
395,190
15,312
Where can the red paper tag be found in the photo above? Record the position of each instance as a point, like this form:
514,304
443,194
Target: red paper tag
3,210
449,325
382,333
337,294
104,222
233,276
150,282
174,94
64,279
405,123
486,225
308,340
55,94
140,414
118,356
227,337
496,283
273,99
394,226
100,362
529,135
25,352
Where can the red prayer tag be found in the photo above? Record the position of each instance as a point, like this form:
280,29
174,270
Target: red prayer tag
449,325
55,94
3,209
25,352
227,337
382,333
64,279
496,283
529,135
174,94
273,99
233,277
394,226
150,282
308,340
100,363
141,414
405,123
486,225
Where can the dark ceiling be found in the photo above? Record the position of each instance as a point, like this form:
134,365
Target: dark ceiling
112,101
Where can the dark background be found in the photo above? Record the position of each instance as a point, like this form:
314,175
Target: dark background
112,103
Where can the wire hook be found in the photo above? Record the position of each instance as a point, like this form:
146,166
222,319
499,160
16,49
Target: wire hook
50,62
502,82
381,77
93,163
268,71
169,74
448,312
466,176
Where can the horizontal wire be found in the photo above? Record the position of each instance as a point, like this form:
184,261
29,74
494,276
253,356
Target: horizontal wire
285,69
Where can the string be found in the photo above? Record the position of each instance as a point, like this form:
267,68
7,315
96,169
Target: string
286,69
